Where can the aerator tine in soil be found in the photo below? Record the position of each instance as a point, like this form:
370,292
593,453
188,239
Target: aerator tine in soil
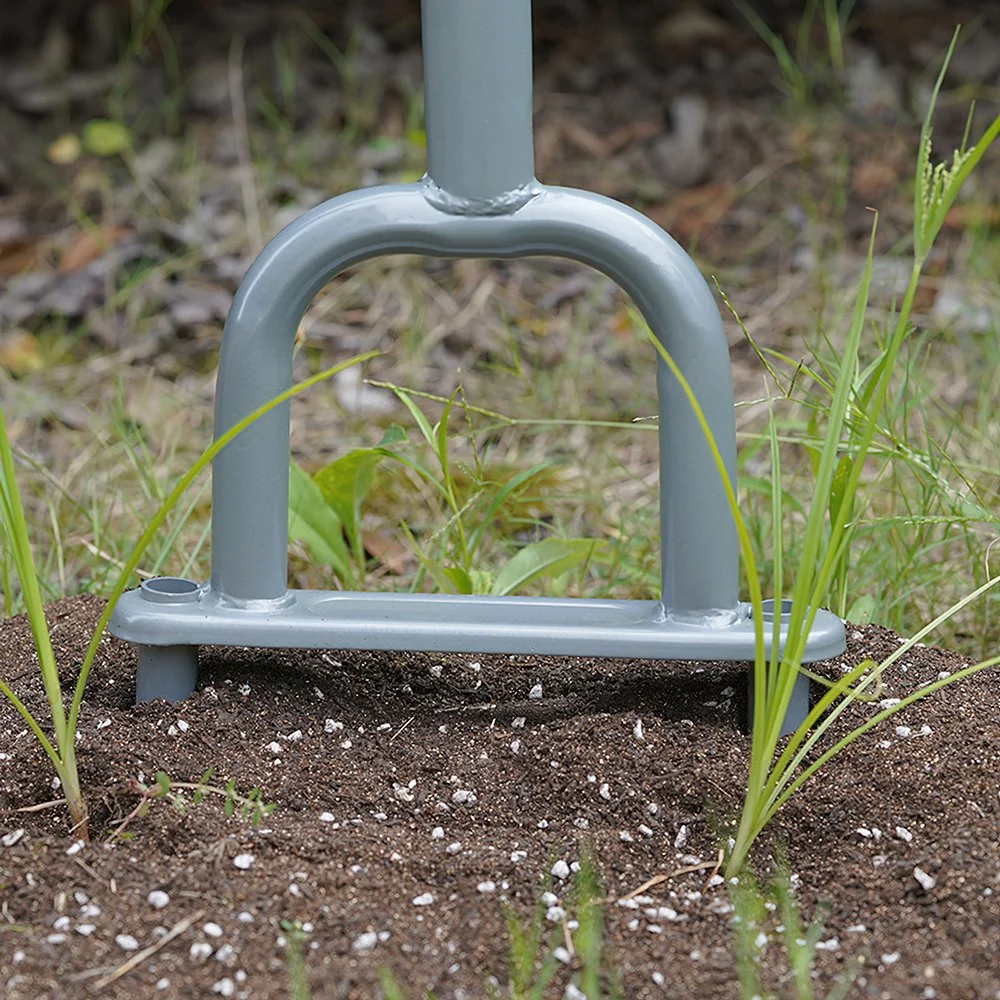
479,198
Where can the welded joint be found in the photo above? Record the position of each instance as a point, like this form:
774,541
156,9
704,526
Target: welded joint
503,204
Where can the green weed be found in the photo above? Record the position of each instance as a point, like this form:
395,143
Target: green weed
298,978
537,951
852,415
326,508
184,795
16,543
806,66
755,929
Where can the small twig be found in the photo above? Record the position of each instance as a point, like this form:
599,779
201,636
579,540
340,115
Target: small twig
41,806
568,939
486,706
401,728
140,956
144,799
715,871
248,188
667,876
648,884
700,867
93,874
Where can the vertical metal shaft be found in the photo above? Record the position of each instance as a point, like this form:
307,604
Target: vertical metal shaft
477,96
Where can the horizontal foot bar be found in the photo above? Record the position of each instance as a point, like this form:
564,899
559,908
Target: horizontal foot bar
314,619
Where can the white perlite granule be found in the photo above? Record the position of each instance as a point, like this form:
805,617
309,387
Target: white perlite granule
365,942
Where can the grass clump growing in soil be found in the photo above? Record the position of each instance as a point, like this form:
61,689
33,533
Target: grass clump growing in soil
537,950
17,546
754,930
535,958
857,401
325,511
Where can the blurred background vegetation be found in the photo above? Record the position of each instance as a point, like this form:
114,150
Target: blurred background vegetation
149,148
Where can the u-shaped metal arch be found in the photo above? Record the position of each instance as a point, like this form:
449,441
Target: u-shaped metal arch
480,199
699,555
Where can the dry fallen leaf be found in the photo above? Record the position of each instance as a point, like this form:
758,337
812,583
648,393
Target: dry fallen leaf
387,550
696,209
19,255
88,246
65,150
19,352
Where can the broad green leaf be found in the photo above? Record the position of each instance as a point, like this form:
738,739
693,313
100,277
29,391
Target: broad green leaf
458,578
393,434
312,521
549,557
106,138
345,483
862,611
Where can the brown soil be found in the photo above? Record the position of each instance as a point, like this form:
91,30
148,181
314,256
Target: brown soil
352,841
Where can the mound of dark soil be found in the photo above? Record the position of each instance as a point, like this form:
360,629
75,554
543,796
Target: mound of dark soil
415,795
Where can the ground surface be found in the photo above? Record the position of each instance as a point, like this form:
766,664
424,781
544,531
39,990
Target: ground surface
116,273
369,817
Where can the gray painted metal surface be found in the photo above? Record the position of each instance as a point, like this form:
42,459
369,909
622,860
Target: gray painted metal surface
458,624
477,100
479,199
